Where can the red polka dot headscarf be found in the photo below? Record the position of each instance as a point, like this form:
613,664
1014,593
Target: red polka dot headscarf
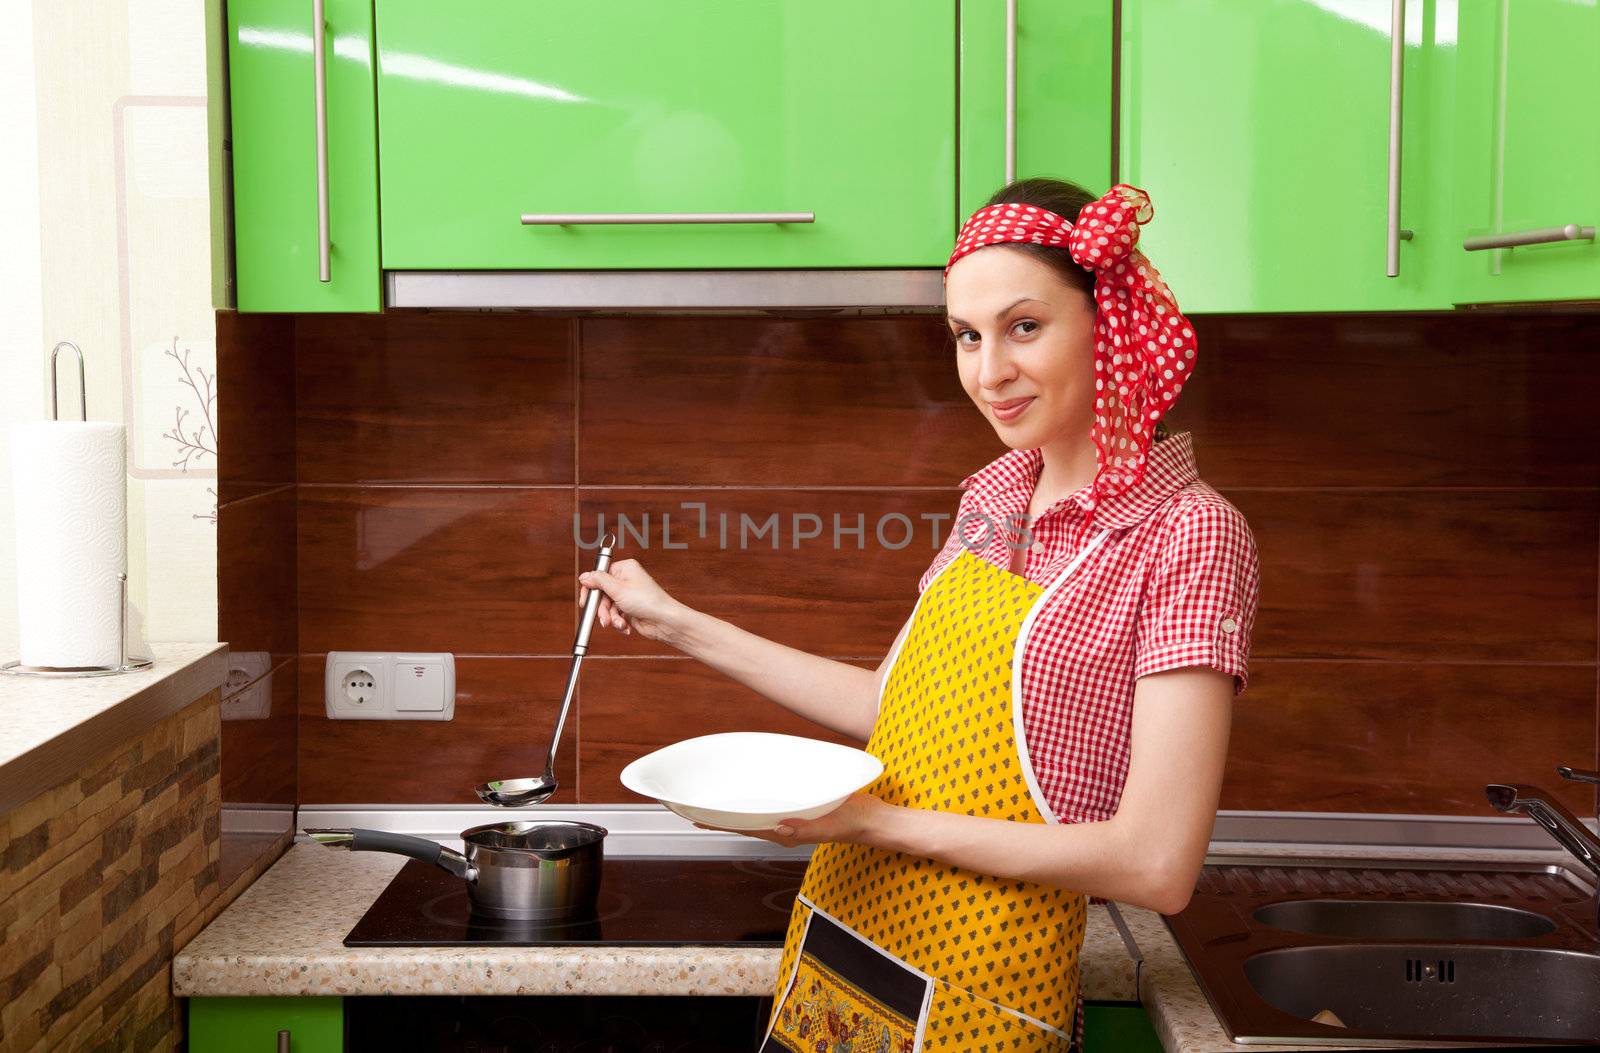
1143,346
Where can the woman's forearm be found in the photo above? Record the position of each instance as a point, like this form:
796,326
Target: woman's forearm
831,693
1096,859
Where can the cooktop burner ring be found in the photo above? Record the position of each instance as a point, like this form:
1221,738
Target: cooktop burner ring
619,904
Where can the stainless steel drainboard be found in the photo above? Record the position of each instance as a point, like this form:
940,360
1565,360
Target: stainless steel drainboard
1523,970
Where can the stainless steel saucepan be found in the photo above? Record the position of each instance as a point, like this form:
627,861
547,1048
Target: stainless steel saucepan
521,871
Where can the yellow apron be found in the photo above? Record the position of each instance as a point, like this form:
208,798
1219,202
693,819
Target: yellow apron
893,953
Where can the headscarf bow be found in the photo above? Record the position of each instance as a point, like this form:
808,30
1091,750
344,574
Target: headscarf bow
1143,345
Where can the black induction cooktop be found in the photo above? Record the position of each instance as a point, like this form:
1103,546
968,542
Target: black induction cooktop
660,901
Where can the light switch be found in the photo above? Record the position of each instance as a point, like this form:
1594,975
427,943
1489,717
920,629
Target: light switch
419,684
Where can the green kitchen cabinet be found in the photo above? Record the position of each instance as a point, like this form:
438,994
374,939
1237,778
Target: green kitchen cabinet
1118,1027
238,1025
1262,133
495,118
1062,89
278,123
1528,149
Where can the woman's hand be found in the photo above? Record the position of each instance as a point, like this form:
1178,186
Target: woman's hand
630,599
857,820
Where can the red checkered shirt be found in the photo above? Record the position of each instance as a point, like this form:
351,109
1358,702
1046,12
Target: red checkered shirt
1173,584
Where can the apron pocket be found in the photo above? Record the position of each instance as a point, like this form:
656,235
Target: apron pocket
846,992
959,1020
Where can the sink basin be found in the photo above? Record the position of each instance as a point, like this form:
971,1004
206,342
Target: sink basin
1437,990
1403,919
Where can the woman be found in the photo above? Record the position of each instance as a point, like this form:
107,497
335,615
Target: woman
1053,717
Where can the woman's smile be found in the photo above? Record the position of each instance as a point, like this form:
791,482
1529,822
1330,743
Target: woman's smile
1011,409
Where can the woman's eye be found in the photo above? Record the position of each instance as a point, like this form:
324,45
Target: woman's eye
961,337
1032,326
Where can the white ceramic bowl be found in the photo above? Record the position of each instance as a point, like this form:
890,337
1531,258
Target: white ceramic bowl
751,780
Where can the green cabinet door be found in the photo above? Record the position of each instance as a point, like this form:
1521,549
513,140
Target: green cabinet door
1118,1027
272,79
251,1025
1261,132
504,108
1063,95
1529,148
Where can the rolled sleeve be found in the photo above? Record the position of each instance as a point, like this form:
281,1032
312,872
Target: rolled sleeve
1200,604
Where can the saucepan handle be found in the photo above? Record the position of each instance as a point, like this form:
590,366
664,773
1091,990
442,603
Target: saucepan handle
419,848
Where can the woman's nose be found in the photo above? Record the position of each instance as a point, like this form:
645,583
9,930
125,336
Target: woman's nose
995,364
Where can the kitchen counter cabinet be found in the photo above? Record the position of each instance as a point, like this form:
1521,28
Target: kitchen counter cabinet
223,1025
840,109
1261,132
1063,102
1528,141
272,78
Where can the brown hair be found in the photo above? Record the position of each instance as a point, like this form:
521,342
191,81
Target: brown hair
1065,199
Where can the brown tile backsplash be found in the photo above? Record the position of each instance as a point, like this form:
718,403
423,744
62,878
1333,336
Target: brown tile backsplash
256,576
484,570
755,402
1426,574
255,384
1403,737
1438,399
435,398
803,567
1427,512
257,588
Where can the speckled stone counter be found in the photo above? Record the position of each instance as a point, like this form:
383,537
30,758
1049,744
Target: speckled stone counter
50,727
283,937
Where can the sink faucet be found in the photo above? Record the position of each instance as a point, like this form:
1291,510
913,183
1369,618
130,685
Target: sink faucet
1551,814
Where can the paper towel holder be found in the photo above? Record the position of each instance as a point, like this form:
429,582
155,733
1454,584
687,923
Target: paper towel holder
55,388
126,663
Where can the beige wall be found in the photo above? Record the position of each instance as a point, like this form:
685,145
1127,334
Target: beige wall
106,242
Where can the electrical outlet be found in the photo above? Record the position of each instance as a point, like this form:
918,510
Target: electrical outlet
359,687
384,686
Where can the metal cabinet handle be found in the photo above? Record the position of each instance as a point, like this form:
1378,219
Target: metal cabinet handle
1578,774
545,219
1011,92
283,1035
1537,236
319,65
1397,54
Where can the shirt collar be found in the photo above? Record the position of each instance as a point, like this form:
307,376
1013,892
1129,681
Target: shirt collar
1006,484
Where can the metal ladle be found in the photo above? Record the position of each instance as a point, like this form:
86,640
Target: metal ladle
521,793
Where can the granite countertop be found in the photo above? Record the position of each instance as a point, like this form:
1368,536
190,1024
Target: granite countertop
284,936
50,727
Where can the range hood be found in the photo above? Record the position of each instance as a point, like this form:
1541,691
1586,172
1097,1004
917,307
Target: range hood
872,291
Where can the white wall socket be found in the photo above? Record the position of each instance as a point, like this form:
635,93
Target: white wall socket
365,685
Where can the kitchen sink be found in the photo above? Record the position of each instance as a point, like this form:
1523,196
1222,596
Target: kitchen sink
1454,989
1375,952
1404,919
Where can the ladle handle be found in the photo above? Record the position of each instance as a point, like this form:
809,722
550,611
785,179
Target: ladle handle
591,603
580,647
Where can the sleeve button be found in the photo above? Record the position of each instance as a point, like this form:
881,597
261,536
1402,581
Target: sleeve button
1229,625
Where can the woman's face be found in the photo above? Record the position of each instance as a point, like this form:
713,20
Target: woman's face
1024,345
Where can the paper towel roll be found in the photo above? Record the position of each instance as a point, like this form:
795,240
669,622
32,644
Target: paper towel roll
71,493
